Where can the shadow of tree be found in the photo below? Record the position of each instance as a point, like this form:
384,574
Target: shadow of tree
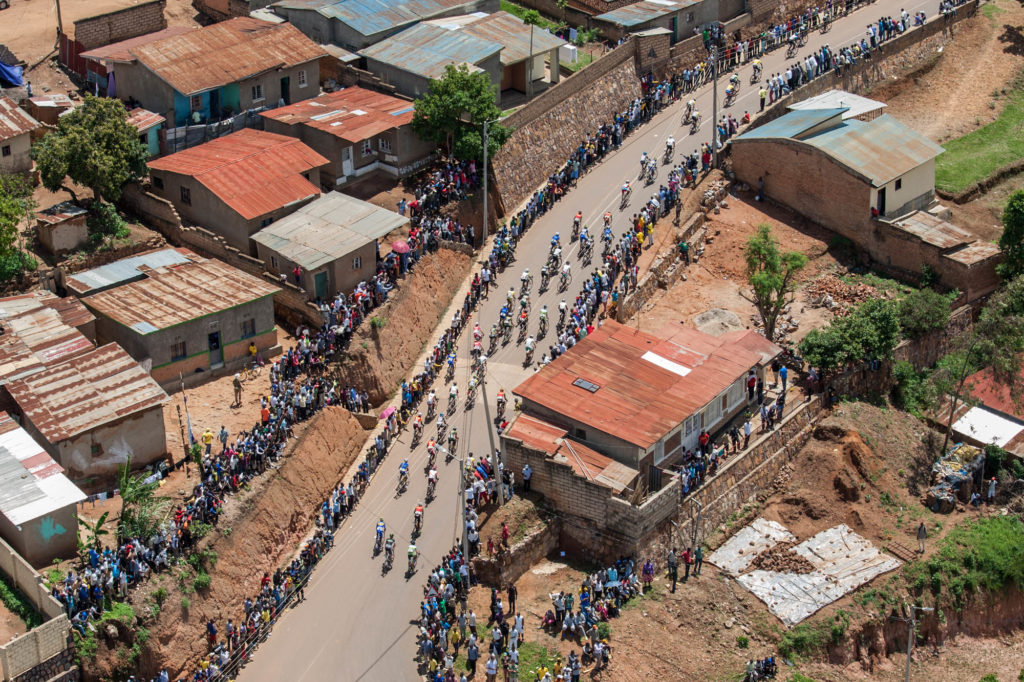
1013,36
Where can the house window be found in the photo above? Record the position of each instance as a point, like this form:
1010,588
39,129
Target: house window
725,402
265,222
899,184
158,182
302,78
196,103
257,92
248,328
581,434
144,139
689,17
186,196
273,262
6,150
367,147
357,262
96,449
385,145
177,351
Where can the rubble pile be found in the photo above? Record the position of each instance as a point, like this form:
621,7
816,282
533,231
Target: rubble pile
782,559
830,292
954,477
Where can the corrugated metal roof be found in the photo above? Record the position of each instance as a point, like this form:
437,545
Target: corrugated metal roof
31,483
143,119
340,53
642,12
58,213
639,401
793,124
426,50
174,294
855,105
328,228
55,100
122,51
14,120
226,52
91,390
370,17
538,434
934,231
505,29
253,172
976,253
125,270
880,150
353,114
39,330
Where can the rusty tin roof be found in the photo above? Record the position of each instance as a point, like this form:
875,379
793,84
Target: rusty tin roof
14,120
39,330
174,294
637,386
79,395
353,114
224,53
252,171
144,119
122,51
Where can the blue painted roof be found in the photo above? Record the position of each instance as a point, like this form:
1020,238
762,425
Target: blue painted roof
370,17
426,50
642,12
791,125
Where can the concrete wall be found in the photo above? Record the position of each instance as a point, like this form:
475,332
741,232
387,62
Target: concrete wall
413,84
341,273
139,436
208,210
507,567
41,540
547,129
14,154
63,237
916,191
112,27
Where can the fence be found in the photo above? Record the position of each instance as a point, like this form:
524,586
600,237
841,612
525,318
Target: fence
177,139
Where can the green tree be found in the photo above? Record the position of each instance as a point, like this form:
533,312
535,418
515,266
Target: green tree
531,18
994,342
562,4
16,204
771,275
1011,241
141,510
441,115
96,530
95,146
924,310
869,331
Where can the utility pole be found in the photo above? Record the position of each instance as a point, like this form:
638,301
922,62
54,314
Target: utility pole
483,237
714,106
911,634
461,515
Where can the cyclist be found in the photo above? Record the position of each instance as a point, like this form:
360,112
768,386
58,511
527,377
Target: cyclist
478,333
524,317
431,400
607,219
381,528
543,315
403,468
607,236
585,237
453,439
453,392
730,92
524,302
441,423
643,162
626,189
577,221
545,275
501,400
389,548
525,278
432,475
431,448
511,297
417,423
555,242
565,272
757,69
417,516
529,347
494,333
562,307
413,554
691,107
670,145
734,80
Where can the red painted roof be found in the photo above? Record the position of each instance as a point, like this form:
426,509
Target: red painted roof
144,119
647,384
538,434
986,390
353,114
252,171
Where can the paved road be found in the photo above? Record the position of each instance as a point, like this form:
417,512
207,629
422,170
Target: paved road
358,624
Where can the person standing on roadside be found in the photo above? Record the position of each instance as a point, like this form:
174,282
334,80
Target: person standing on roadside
673,568
922,535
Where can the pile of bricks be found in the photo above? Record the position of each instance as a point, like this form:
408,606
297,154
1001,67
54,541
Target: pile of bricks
833,293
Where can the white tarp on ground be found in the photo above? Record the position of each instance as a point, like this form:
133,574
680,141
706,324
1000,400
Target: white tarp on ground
736,555
987,426
843,561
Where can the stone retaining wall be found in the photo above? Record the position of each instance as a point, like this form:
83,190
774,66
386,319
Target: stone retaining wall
507,567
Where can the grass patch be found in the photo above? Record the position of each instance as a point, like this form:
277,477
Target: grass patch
992,10
584,59
86,645
531,657
518,11
984,555
17,603
803,640
979,154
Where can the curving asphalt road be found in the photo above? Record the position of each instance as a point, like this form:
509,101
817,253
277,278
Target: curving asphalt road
357,624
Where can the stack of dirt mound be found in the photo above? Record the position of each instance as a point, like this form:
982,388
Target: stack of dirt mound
782,559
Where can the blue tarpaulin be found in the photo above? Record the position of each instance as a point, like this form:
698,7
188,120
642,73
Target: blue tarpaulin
10,76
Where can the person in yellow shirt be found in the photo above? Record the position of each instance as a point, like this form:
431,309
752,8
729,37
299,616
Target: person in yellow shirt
207,439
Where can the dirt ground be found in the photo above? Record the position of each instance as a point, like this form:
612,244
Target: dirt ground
11,625
36,35
866,466
955,95
715,279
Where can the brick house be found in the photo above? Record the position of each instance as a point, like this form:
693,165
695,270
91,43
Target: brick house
16,128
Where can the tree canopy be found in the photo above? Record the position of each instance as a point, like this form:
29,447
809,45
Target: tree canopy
1012,239
871,331
16,204
771,274
439,114
95,146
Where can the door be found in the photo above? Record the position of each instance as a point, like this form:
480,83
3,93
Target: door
881,202
320,285
286,94
675,29
216,352
346,161
215,108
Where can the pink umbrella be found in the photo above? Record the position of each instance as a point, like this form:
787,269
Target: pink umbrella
401,246
388,412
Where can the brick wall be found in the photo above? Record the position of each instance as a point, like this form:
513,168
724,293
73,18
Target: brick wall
546,130
507,567
112,27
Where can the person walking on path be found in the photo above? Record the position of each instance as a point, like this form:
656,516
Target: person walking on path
922,535
687,560
992,490
673,568
527,475
512,594
783,375
237,383
698,560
